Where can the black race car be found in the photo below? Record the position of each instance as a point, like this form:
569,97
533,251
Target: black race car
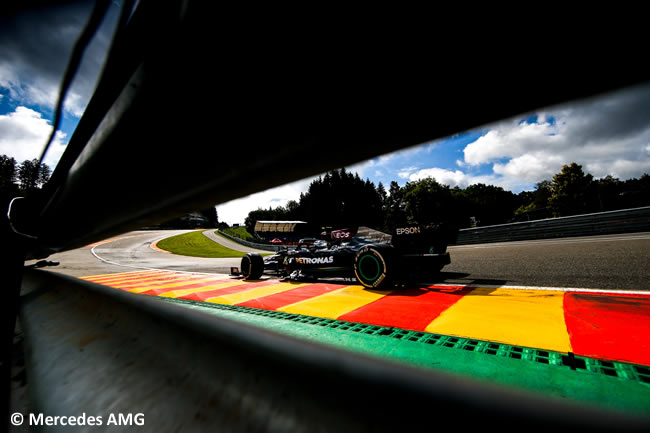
375,259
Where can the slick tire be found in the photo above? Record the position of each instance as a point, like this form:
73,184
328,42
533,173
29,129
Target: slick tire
252,266
373,267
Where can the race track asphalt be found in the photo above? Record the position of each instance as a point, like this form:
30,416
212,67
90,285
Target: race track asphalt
613,262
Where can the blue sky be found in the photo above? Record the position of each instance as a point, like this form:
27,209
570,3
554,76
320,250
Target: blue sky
34,50
609,135
24,117
400,166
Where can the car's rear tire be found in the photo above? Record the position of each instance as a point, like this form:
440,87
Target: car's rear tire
252,266
374,266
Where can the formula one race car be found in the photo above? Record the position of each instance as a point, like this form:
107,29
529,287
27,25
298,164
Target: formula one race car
377,260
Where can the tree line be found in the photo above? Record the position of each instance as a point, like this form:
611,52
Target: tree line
342,199
21,179
574,192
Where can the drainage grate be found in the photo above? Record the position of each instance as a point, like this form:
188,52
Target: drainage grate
608,368
642,373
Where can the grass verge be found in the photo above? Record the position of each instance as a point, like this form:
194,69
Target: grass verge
195,244
240,233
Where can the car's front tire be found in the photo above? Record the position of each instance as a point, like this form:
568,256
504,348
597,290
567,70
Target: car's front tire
252,266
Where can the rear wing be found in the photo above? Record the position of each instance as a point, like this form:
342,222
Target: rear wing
424,238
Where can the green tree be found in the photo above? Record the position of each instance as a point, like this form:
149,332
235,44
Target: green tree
341,199
292,210
635,192
535,204
394,208
7,173
489,204
8,187
426,201
32,175
570,191
608,191
542,194
211,216
270,214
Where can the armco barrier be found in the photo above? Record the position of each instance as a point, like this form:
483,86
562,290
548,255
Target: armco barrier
257,246
613,222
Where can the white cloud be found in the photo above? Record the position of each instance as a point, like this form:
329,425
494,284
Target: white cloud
406,172
23,134
374,165
236,211
8,78
511,140
447,177
622,168
531,167
35,51
454,178
40,91
607,136
383,164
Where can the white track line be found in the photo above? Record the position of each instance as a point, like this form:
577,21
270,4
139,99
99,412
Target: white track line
97,256
555,289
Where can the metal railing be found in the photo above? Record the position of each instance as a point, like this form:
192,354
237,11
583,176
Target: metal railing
612,222
267,247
